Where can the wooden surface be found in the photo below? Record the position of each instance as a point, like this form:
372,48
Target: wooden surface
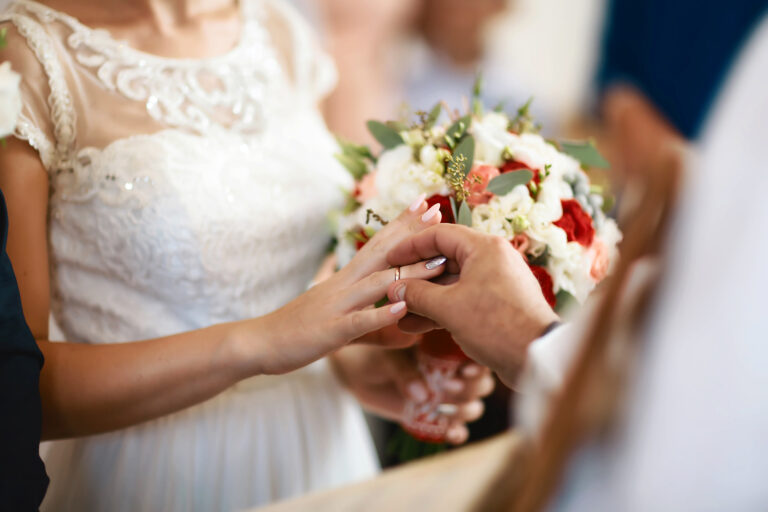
445,483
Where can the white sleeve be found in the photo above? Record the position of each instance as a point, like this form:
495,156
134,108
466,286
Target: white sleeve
549,358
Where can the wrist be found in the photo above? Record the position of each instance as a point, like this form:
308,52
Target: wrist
518,339
245,347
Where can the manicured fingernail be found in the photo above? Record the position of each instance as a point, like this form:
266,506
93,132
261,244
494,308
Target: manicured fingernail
400,293
453,385
435,262
448,409
430,213
418,391
415,205
397,307
471,370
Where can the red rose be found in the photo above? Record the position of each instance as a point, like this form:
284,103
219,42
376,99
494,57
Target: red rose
361,238
514,165
576,223
445,207
545,281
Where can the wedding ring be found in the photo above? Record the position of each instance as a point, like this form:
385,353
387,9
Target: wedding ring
397,273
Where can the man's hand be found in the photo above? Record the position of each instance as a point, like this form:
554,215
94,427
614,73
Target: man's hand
494,308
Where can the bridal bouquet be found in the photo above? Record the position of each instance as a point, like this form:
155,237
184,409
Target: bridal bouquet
494,173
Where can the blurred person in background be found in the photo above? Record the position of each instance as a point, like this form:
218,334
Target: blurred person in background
446,51
362,36
663,63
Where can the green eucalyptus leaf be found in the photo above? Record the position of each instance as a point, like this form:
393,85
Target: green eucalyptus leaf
387,136
434,114
467,148
524,111
503,185
453,208
457,129
398,126
354,165
477,87
465,215
355,150
586,153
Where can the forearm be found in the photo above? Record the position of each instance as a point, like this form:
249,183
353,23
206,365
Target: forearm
88,389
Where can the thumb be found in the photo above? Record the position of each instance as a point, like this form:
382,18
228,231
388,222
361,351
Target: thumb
406,376
421,297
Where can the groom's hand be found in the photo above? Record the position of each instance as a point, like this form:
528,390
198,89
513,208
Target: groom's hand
494,306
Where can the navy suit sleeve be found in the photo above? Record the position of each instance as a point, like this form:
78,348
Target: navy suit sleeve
23,480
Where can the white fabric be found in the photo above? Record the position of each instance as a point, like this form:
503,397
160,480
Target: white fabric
186,193
695,434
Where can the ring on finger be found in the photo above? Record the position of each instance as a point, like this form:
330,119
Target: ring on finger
397,273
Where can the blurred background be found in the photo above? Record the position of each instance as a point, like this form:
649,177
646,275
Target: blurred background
637,76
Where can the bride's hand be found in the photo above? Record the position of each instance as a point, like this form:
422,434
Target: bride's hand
337,311
383,380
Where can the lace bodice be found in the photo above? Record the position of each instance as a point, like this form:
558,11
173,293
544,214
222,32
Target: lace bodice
183,192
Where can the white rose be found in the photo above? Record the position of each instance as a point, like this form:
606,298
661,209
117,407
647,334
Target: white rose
491,137
534,151
430,158
10,99
400,179
570,271
491,218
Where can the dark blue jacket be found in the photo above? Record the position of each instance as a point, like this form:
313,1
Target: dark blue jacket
22,475
677,52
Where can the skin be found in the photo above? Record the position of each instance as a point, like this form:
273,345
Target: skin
87,389
639,133
491,303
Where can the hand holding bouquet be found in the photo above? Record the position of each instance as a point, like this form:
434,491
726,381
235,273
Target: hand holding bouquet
494,173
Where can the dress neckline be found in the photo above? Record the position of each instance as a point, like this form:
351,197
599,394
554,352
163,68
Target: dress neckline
105,36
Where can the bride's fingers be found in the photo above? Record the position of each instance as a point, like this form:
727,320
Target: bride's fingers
354,325
457,433
374,287
373,255
460,415
467,389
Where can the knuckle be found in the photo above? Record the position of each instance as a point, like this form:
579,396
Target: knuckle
357,323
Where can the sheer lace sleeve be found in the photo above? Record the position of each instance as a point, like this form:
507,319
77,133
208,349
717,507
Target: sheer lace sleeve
34,124
47,119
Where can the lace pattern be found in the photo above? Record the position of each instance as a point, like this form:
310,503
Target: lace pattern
59,101
194,94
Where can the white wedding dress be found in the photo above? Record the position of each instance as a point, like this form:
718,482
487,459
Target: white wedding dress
186,193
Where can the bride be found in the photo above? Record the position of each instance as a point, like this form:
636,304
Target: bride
172,178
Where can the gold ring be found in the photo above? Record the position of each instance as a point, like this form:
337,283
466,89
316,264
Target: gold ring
397,273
